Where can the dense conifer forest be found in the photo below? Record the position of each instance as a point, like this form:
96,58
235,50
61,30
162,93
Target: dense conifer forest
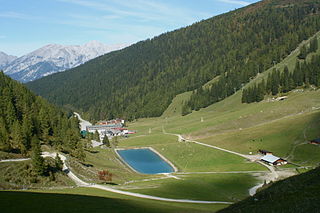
278,81
304,74
27,120
141,80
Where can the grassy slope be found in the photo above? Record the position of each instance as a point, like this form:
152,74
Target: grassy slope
17,175
89,200
295,194
218,187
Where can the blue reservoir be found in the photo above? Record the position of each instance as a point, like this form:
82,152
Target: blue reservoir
145,161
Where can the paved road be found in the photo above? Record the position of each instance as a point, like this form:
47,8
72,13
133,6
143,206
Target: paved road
82,183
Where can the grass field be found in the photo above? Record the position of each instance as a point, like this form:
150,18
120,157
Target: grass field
89,200
218,187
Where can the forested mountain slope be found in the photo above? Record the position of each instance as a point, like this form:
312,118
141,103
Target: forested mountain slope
141,80
26,119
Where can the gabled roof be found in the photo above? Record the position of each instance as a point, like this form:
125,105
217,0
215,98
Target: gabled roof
270,158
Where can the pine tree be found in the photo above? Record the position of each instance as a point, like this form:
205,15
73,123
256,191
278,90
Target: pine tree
96,136
27,131
106,141
58,163
275,82
44,124
37,160
79,152
261,91
4,137
17,138
244,98
314,45
303,52
285,80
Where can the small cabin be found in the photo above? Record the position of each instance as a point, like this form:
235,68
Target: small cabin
315,141
273,160
265,152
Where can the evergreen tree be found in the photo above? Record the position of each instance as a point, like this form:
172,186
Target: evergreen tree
285,80
79,152
275,82
106,141
314,45
244,98
261,91
17,138
37,160
58,163
4,137
44,124
303,52
27,131
96,136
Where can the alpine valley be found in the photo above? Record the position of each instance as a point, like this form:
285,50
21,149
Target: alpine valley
222,115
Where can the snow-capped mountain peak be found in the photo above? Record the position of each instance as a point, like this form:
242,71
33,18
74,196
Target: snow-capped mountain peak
6,59
54,58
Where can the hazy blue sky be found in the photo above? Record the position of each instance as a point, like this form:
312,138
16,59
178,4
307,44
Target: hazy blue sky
29,24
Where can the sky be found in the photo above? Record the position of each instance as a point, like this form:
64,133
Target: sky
26,25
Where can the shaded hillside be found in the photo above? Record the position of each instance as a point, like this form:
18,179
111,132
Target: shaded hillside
141,80
296,194
84,200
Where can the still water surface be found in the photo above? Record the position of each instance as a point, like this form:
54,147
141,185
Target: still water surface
145,161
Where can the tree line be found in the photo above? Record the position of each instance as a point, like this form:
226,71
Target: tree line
304,74
284,82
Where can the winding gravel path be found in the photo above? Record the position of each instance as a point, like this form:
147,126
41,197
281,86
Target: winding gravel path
272,176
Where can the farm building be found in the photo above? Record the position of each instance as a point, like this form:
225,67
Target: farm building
104,127
265,152
110,122
274,160
110,129
315,141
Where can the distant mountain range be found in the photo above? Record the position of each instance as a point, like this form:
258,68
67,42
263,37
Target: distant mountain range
6,59
51,59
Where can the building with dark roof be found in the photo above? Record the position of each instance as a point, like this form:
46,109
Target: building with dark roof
315,141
